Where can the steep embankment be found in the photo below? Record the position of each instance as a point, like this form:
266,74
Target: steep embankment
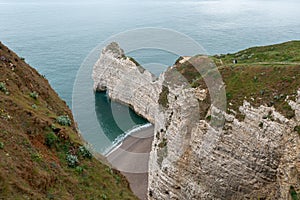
253,153
41,153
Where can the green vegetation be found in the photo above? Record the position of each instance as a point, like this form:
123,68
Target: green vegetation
262,76
64,120
293,193
140,68
82,151
51,139
36,157
134,61
34,95
3,88
40,147
287,53
163,97
267,88
72,160
297,129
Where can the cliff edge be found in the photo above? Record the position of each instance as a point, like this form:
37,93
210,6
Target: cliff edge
253,155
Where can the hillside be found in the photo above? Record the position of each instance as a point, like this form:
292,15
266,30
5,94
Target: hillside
268,75
41,153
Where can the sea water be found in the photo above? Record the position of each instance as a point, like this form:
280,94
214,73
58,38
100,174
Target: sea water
56,36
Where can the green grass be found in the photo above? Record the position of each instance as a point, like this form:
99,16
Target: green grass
262,85
33,164
279,54
263,76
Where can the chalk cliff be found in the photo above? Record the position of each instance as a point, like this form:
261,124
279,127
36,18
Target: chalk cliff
253,157
126,81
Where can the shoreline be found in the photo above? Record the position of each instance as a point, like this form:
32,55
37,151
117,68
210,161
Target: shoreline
121,138
131,156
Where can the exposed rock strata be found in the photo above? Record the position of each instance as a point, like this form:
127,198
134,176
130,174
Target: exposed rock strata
254,158
127,82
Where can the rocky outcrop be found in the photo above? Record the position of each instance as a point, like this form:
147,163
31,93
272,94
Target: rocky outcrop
253,158
257,157
127,82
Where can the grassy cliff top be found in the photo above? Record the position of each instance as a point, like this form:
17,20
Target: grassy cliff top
287,53
267,75
41,153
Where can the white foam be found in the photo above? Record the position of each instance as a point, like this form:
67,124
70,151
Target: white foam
119,140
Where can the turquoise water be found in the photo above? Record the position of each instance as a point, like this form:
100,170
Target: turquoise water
56,36
106,118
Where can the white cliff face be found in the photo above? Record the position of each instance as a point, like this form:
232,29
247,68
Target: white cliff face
258,157
126,82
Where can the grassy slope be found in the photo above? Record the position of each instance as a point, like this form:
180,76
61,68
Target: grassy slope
263,75
29,169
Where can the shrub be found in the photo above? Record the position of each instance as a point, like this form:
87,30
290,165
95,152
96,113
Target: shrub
297,129
1,145
63,120
34,95
79,169
104,196
84,152
36,157
228,95
3,88
34,106
50,139
293,193
72,160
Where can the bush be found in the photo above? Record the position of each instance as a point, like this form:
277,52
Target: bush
1,145
72,160
79,169
50,139
104,196
36,157
293,193
63,120
297,129
34,95
3,88
84,152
